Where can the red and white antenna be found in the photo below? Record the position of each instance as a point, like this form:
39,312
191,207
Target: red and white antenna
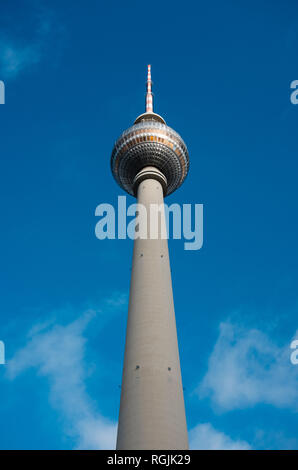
149,96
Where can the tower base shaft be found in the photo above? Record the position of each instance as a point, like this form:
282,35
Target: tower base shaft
152,413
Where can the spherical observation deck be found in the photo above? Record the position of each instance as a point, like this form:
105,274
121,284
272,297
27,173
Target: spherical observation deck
149,143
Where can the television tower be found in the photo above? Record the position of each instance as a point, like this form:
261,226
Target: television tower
150,161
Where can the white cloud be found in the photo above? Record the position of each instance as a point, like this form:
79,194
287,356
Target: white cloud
205,437
17,54
117,300
247,368
14,58
57,352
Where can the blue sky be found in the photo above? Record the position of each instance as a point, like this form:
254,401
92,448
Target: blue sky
75,79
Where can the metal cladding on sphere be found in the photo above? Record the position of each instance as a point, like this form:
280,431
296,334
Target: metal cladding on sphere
149,142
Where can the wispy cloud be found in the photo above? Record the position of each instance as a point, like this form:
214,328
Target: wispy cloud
205,437
20,53
247,368
57,352
14,57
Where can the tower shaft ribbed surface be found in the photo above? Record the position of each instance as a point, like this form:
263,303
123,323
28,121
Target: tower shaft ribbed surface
152,413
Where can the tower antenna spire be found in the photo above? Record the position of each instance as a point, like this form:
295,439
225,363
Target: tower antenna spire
149,96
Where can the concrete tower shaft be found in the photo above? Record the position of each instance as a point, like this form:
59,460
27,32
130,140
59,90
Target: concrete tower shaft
152,414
